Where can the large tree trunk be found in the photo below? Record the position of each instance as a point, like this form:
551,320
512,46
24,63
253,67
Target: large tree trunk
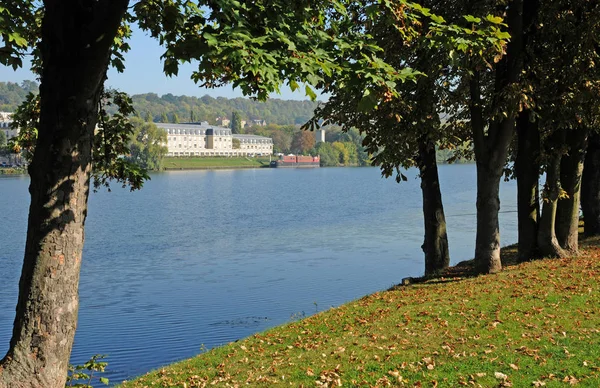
567,211
547,242
491,143
487,244
590,188
76,41
435,245
527,169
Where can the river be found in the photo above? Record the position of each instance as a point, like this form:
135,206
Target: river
197,259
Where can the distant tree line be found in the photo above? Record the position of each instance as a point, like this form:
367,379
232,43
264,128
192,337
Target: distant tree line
174,109
170,108
13,94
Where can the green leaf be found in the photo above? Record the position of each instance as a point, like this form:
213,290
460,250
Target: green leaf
210,39
437,19
18,39
104,380
472,19
494,19
310,93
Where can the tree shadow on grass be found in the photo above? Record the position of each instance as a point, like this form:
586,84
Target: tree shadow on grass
466,269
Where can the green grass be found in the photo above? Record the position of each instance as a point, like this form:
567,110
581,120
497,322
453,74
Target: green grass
12,171
214,162
533,324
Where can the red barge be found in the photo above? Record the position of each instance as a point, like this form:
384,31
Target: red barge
297,161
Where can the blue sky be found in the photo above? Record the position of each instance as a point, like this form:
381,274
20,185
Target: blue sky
143,74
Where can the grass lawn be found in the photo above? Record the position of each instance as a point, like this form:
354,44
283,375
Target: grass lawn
533,324
214,162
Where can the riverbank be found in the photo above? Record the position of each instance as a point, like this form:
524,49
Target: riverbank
12,171
207,163
533,324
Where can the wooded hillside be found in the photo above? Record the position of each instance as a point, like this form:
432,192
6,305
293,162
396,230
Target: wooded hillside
187,108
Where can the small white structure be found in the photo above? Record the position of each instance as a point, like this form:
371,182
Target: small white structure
320,136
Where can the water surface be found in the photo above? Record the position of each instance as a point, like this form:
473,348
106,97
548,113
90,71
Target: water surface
201,258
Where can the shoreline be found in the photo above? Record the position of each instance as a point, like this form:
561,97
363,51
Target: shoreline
456,328
208,168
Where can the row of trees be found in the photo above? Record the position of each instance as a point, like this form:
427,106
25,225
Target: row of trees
542,85
391,68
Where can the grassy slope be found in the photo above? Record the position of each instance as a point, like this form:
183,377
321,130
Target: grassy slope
534,324
214,162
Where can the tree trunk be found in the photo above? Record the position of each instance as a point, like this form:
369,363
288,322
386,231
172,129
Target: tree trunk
75,49
590,188
527,167
492,138
547,242
487,244
567,211
435,245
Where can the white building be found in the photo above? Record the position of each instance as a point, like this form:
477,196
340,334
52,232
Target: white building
6,125
255,145
208,140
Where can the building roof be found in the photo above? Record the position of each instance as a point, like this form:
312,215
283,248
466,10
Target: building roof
249,137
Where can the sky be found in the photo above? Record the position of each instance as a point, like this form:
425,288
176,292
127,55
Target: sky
143,74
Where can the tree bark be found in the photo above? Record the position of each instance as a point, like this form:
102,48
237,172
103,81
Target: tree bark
75,50
491,143
487,244
590,188
567,211
547,242
435,246
527,168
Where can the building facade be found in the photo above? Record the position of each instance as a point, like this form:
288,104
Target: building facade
208,140
255,145
6,125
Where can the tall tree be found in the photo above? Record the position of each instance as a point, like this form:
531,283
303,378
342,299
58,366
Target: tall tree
236,123
402,131
494,103
563,79
75,52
